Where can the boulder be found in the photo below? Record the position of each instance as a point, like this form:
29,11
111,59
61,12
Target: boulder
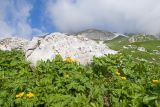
141,49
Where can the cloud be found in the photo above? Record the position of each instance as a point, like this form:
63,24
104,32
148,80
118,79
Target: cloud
14,19
114,15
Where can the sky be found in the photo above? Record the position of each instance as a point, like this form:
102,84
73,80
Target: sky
28,18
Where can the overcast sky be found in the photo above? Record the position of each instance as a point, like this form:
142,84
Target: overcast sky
27,18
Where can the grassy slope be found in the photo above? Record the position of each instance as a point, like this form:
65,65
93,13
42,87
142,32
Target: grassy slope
117,43
150,46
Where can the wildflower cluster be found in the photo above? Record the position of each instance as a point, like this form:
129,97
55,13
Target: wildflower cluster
21,94
69,60
155,81
123,78
118,74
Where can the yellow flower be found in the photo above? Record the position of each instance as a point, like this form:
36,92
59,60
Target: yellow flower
69,59
155,81
20,94
117,73
123,78
30,94
66,76
76,60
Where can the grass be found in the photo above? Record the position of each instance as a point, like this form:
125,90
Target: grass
117,43
141,55
150,45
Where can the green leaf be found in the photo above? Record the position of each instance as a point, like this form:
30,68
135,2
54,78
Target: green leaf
147,99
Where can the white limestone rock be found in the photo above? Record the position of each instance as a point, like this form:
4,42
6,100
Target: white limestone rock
76,47
141,49
12,43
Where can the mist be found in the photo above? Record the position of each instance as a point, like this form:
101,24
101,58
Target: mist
129,16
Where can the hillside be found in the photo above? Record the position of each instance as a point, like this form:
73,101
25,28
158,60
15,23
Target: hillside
142,47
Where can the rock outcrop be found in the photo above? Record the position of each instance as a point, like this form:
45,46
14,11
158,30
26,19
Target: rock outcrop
12,43
46,47
141,49
141,38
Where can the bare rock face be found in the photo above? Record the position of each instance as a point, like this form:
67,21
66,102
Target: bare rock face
12,43
47,47
141,38
96,34
76,47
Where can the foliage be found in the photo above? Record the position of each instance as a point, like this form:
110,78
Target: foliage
110,81
13,61
130,84
54,83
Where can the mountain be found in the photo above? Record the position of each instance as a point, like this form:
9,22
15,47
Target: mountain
48,46
96,34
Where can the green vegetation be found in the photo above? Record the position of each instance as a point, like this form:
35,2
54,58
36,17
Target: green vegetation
117,43
148,42
149,45
109,81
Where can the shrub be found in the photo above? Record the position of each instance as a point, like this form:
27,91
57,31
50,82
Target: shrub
110,81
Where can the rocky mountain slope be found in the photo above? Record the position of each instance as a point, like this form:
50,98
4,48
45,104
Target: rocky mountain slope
141,38
46,47
96,34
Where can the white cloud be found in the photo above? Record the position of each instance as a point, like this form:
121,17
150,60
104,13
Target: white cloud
113,15
14,19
